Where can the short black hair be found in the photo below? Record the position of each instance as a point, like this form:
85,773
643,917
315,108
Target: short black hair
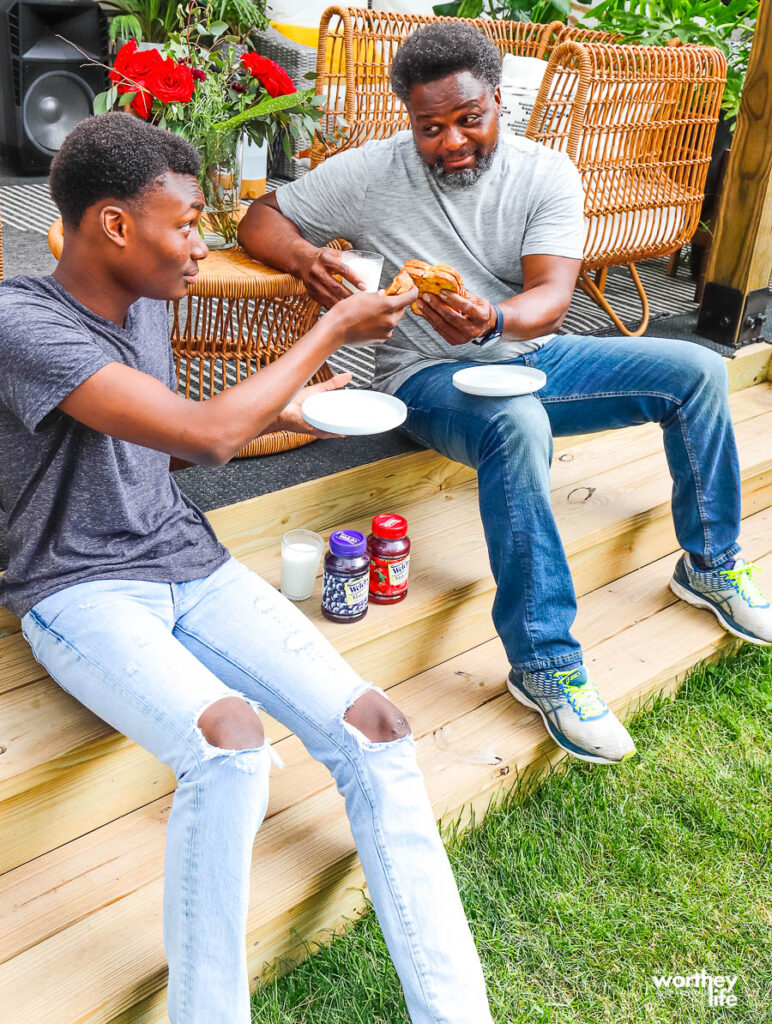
114,155
441,49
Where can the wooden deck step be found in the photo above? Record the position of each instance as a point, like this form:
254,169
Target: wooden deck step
87,917
65,772
319,504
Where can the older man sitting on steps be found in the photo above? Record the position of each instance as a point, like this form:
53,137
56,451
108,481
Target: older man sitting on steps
508,215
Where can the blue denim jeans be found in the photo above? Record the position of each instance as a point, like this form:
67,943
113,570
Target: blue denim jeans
592,384
149,658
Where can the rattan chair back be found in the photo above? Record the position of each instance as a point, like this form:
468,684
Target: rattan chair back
639,123
356,48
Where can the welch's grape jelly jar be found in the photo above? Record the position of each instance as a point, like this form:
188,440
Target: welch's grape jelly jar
346,577
389,549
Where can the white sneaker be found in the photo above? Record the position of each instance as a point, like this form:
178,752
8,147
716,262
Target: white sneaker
730,594
574,713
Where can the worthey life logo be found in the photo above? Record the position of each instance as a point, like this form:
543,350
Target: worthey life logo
719,987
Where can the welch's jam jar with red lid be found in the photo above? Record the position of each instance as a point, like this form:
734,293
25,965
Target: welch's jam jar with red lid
389,549
346,577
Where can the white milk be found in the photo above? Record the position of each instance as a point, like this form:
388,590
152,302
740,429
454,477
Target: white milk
367,270
367,266
299,563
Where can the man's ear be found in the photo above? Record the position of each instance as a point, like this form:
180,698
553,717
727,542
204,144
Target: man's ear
497,99
113,221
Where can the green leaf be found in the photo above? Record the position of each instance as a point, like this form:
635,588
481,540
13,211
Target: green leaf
217,28
126,98
101,104
285,145
447,10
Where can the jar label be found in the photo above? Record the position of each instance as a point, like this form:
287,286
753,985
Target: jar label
343,595
356,592
388,577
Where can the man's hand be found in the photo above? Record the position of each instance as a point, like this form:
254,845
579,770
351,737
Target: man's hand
318,272
291,416
455,318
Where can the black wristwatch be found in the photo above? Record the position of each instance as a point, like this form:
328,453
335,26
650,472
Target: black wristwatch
493,333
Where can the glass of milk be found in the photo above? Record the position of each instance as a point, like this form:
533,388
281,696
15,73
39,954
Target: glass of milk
366,265
301,551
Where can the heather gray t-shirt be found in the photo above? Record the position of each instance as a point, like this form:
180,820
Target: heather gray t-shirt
81,505
381,197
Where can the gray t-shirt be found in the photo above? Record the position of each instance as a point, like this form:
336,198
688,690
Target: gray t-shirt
381,197
81,505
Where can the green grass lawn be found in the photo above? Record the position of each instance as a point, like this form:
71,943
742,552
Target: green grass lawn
583,887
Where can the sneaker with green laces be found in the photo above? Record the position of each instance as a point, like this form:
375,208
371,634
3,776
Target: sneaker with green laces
730,592
574,713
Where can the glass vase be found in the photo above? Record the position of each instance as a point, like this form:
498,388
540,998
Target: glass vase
221,184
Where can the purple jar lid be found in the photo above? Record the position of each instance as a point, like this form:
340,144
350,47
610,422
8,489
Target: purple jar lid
348,543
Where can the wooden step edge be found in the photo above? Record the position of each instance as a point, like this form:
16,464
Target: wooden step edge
394,479
516,739
473,615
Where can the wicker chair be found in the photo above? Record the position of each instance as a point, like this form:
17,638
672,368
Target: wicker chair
638,122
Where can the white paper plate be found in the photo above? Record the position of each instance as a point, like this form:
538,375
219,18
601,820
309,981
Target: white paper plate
497,380
354,411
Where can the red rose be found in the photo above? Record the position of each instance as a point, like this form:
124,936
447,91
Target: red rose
170,82
271,75
142,104
129,64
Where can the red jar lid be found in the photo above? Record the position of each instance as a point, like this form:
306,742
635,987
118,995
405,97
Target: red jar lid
389,526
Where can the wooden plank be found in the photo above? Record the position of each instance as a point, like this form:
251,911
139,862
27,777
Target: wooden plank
448,611
53,891
484,752
363,490
740,260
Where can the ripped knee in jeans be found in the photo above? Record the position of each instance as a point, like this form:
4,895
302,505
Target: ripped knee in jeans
376,718
231,724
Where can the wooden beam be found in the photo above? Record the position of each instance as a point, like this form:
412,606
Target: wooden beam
734,302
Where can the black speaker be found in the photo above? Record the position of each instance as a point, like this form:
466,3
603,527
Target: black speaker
44,88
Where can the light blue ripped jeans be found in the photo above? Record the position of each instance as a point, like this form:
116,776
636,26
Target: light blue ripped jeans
149,658
592,384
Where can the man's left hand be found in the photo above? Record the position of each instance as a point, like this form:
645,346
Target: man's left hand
457,319
291,417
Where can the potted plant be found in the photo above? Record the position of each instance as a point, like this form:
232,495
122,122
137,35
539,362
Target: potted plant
537,11
153,21
149,21
727,25
212,97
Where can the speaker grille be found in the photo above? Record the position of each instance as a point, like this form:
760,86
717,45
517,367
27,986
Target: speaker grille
14,30
53,105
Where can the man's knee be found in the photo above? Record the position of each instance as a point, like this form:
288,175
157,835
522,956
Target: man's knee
232,724
377,718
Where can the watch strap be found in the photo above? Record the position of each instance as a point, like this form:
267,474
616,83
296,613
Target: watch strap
493,332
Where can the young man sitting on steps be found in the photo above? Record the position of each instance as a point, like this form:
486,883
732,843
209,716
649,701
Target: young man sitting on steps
134,607
508,216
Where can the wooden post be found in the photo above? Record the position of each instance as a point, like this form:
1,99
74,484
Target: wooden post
733,306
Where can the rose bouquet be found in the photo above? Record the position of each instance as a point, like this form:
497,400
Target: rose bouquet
212,97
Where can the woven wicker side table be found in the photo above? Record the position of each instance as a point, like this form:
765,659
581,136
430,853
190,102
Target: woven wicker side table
239,316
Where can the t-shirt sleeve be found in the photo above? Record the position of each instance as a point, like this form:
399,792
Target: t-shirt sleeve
42,360
555,224
326,202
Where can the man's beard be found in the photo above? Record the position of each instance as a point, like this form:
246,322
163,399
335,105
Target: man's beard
465,177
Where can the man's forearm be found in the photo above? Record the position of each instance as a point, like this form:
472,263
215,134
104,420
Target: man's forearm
532,313
267,235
